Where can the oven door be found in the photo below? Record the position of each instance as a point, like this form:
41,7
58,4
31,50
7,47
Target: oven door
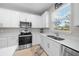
25,40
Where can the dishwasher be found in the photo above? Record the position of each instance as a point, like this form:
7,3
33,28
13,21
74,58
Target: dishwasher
67,51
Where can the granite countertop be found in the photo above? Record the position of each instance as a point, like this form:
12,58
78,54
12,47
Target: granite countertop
69,41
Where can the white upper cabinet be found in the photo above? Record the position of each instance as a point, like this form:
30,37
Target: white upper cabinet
25,17
75,14
8,18
45,19
36,21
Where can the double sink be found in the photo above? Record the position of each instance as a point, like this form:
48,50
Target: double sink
56,38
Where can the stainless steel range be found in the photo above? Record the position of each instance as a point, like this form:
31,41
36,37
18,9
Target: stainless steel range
25,36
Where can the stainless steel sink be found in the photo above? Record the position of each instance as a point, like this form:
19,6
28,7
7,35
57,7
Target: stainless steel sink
54,37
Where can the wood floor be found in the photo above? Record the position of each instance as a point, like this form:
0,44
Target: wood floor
33,51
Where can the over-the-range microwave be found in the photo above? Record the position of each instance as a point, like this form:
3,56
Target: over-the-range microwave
25,24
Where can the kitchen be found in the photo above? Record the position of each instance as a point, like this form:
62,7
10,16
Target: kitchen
53,29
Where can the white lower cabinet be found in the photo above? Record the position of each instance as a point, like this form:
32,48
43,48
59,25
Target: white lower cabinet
51,47
9,41
3,42
35,38
44,43
54,48
12,41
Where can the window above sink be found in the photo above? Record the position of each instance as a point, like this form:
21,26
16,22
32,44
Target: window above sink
61,18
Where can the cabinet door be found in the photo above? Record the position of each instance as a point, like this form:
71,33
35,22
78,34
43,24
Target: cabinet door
45,19
8,18
12,19
25,17
13,40
44,43
75,14
36,21
53,48
35,37
3,42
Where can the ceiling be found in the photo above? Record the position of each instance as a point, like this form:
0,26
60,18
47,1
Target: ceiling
35,8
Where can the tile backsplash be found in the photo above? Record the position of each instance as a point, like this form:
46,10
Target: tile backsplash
74,32
4,32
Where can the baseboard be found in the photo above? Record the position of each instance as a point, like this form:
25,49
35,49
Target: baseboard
36,45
